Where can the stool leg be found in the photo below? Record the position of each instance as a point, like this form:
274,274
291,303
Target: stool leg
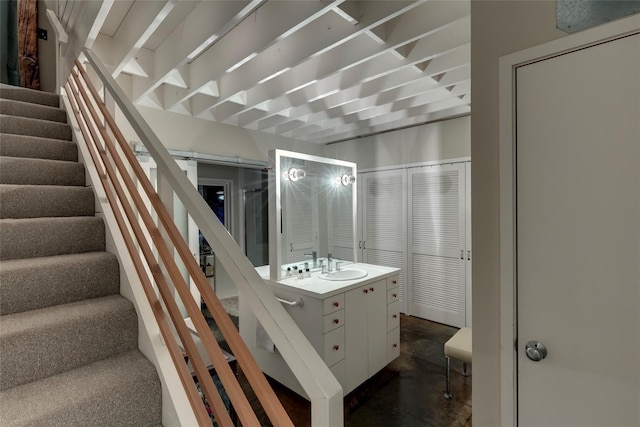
464,370
447,394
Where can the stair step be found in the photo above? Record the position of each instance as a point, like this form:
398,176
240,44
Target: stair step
24,171
35,147
35,283
122,390
29,95
34,127
41,237
34,201
39,343
12,107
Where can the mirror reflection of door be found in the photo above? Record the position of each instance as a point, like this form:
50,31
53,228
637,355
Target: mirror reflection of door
299,219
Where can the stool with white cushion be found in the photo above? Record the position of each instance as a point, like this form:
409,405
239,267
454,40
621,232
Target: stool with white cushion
458,347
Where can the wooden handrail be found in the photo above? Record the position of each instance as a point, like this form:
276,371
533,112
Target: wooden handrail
265,394
251,370
222,368
167,335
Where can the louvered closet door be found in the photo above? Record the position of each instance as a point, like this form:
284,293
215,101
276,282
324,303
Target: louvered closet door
340,223
300,219
383,204
437,243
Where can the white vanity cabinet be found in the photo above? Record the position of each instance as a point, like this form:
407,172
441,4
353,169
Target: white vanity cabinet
354,325
366,332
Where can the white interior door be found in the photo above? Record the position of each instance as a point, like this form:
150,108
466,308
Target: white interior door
383,205
578,236
437,243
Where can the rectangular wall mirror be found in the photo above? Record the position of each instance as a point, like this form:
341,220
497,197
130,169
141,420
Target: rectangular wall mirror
312,212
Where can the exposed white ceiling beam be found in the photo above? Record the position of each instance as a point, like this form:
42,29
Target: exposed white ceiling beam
372,130
414,115
412,89
327,34
435,17
398,79
274,21
438,98
314,70
207,22
140,22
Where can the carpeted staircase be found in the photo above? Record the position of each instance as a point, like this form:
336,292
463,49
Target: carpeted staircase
68,340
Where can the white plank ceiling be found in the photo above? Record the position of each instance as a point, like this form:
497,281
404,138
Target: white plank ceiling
320,71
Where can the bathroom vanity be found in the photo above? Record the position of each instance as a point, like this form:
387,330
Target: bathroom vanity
349,311
353,324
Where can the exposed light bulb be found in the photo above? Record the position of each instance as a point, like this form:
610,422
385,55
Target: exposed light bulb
296,174
348,179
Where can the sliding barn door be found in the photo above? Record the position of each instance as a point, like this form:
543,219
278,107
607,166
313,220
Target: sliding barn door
437,247
384,222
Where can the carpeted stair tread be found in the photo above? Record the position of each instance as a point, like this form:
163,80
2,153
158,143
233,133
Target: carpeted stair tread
12,107
40,237
34,127
34,201
39,343
24,171
29,95
34,283
120,391
35,147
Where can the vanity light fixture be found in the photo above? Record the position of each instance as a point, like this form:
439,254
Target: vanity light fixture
294,174
347,179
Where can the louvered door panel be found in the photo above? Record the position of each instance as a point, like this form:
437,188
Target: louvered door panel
384,225
300,219
437,243
341,224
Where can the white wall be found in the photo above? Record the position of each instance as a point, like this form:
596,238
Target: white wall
497,28
46,51
447,139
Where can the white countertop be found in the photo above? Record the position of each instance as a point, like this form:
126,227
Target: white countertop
320,288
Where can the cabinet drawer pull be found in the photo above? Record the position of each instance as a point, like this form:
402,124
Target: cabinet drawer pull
336,347
395,295
336,304
395,282
395,316
372,289
366,291
394,345
336,321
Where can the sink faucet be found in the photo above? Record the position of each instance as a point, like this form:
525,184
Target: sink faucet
329,260
314,255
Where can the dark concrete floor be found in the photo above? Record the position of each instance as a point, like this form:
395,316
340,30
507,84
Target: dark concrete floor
408,392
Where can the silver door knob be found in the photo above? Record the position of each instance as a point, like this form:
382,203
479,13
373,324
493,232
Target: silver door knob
535,350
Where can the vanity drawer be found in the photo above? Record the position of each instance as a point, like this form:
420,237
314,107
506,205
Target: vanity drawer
334,346
393,315
393,295
393,344
333,320
333,303
393,281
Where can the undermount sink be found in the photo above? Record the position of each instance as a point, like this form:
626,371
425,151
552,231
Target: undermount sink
347,274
